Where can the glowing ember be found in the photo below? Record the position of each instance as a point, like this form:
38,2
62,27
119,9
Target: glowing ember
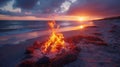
55,42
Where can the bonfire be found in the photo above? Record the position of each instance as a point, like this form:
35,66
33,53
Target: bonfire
55,42
55,50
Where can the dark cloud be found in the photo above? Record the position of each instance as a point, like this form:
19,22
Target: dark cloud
38,6
3,2
81,7
11,13
48,6
25,4
34,7
96,7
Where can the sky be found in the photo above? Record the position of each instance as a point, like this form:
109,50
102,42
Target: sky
57,9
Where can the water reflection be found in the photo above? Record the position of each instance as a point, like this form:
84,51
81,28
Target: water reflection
17,38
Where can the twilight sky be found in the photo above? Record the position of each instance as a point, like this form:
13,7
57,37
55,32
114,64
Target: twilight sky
60,9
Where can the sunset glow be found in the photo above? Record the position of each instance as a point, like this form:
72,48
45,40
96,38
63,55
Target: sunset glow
81,26
82,18
61,18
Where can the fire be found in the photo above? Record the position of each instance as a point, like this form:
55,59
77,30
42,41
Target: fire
55,42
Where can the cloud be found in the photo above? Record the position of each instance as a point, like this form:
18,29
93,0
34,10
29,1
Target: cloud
64,7
38,6
9,7
25,4
96,8
31,7
48,6
60,7
3,2
59,18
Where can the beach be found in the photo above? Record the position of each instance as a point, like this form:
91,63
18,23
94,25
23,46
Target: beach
99,46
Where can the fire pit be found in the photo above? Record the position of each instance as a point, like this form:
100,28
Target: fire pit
54,52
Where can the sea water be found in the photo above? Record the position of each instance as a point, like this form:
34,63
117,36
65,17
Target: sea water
14,32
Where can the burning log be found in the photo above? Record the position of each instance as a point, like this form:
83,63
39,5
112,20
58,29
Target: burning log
54,52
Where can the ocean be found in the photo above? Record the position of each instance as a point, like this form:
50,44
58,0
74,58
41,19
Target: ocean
14,32
19,27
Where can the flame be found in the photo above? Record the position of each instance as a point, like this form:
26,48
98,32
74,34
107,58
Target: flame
55,42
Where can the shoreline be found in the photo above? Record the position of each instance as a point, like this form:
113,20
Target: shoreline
92,52
12,54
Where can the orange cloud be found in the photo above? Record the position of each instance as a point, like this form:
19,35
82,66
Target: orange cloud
61,18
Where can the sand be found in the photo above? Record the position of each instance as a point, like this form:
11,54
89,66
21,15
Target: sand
91,55
10,55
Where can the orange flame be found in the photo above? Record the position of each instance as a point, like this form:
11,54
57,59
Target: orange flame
55,42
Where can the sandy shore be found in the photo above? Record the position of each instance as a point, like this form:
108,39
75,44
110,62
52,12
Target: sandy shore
10,55
92,54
